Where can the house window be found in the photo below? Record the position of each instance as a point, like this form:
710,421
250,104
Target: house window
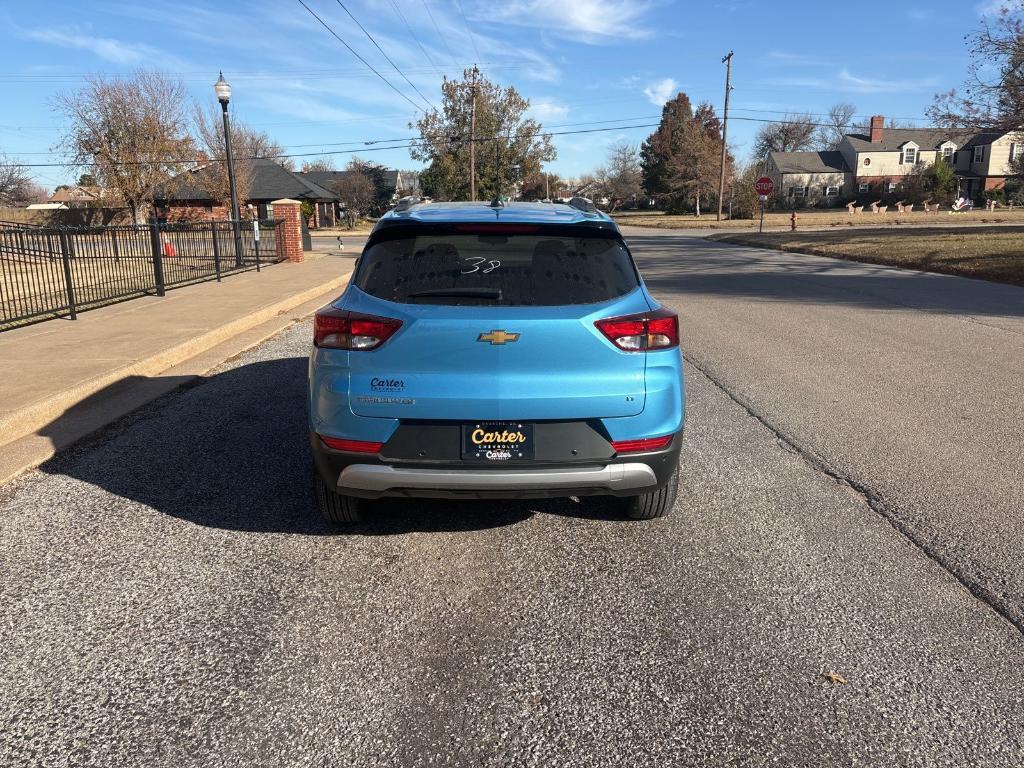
798,191
1015,152
864,188
892,187
979,154
910,156
947,154
831,191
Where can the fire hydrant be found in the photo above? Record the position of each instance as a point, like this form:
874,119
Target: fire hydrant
792,222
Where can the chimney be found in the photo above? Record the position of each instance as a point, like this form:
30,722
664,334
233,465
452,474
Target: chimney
877,124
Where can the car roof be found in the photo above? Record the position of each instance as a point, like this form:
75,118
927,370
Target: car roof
509,213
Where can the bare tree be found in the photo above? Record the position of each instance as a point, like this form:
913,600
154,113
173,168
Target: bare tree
993,95
261,144
793,133
357,193
829,136
741,197
131,134
322,164
622,178
16,186
247,144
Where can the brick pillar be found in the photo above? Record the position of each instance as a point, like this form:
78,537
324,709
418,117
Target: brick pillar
288,236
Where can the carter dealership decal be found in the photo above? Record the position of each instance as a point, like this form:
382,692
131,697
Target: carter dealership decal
499,442
481,438
378,384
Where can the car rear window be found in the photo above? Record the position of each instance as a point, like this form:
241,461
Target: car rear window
496,266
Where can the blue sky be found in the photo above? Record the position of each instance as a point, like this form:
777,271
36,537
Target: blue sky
583,63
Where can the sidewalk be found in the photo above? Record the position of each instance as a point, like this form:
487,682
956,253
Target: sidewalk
52,368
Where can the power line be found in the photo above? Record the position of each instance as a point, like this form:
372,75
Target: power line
369,142
427,101
356,54
369,145
438,30
415,37
409,143
469,29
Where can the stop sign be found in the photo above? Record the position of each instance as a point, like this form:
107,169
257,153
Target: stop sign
764,186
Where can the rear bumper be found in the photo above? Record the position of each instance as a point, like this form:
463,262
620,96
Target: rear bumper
372,477
371,480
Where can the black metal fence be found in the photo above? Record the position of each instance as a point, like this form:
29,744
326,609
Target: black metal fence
57,271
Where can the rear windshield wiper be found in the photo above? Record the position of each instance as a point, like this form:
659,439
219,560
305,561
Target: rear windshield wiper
459,293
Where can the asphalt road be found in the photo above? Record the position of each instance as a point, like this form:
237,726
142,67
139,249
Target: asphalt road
909,385
169,597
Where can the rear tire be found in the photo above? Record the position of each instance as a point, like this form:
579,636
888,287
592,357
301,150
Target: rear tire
336,508
648,506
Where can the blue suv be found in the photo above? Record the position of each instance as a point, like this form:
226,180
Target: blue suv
495,351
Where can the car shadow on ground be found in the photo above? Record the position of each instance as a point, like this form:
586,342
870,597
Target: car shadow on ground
231,451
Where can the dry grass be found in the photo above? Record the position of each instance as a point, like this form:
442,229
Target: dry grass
822,220
993,253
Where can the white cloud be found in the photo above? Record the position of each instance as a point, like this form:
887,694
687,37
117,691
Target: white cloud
661,91
590,21
546,109
857,84
847,82
106,48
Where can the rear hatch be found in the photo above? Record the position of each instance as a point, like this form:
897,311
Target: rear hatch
497,324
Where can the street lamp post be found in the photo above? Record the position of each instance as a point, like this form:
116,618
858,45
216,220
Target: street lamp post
223,91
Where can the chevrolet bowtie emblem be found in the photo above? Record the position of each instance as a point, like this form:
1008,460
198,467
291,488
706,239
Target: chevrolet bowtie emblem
498,337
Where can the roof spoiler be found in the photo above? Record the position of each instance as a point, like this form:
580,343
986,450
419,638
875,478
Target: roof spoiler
583,204
408,202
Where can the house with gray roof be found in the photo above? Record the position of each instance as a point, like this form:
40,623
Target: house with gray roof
186,196
874,165
820,177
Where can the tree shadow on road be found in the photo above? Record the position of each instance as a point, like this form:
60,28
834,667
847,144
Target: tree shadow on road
689,265
231,451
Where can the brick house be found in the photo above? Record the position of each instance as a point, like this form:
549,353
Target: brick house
186,198
74,196
394,185
874,164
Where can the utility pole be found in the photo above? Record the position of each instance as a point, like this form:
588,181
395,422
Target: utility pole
727,60
472,138
547,186
497,173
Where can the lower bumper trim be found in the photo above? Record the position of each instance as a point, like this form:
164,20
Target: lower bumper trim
377,480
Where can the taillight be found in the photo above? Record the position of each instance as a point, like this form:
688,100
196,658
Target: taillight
641,445
657,329
352,446
341,329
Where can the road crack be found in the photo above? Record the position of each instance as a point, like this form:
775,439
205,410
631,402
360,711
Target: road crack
870,497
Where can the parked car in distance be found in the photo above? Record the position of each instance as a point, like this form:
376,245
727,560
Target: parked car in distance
495,351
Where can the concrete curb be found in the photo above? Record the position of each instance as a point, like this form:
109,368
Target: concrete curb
23,448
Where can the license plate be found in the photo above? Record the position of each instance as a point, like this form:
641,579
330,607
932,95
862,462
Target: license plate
497,441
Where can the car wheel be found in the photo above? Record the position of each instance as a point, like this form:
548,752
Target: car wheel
648,506
336,508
